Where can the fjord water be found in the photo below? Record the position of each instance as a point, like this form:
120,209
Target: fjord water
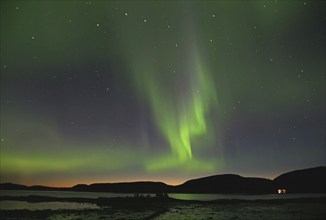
10,205
62,194
208,197
18,205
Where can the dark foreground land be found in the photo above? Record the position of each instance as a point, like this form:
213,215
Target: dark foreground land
165,208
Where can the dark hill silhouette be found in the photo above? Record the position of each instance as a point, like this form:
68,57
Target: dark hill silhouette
312,180
12,186
227,183
134,187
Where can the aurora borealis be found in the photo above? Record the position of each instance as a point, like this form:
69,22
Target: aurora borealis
106,91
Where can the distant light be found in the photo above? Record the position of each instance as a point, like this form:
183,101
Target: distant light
281,191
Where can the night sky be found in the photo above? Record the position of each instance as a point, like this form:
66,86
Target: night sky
98,91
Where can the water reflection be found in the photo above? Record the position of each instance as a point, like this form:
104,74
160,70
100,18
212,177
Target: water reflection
94,195
208,197
15,205
62,194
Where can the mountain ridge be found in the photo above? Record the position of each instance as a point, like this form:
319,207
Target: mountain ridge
310,180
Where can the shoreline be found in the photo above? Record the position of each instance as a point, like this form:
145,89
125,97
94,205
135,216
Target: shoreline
118,200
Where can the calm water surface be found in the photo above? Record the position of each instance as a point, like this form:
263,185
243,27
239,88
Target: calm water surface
62,194
207,197
16,205
12,205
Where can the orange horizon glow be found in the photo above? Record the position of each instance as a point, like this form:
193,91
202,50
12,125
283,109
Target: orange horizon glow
63,183
71,183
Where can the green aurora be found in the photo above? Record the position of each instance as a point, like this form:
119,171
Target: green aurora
96,91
